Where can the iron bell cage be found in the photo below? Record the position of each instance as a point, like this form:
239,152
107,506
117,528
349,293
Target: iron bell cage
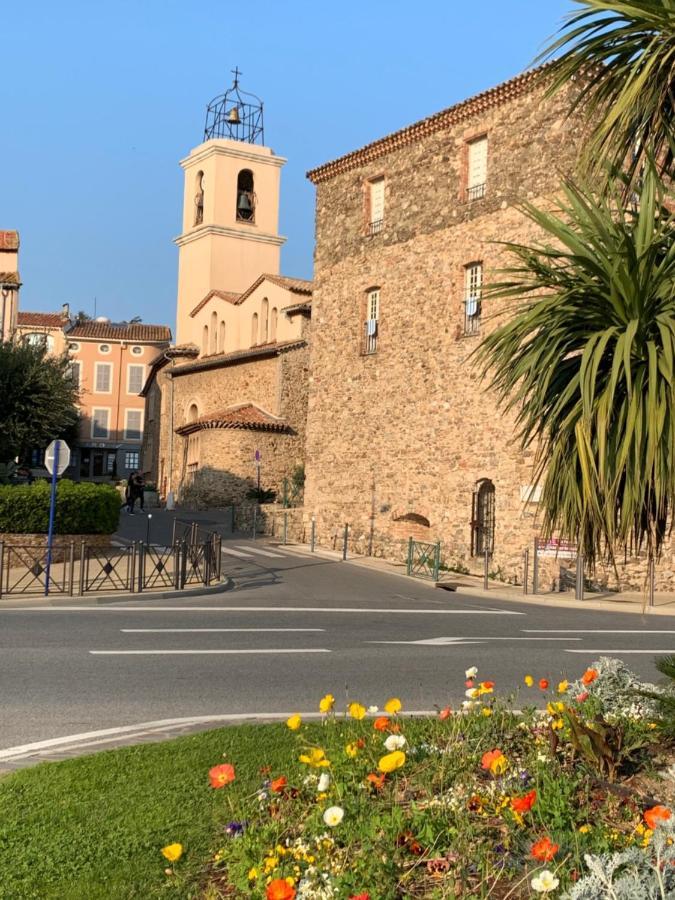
236,114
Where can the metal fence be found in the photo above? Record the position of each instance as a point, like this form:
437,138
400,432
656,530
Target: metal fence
83,569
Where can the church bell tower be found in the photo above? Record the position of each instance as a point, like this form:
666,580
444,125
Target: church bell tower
230,208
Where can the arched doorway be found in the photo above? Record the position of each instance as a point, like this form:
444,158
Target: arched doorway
483,518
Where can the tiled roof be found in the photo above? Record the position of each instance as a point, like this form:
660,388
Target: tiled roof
246,415
47,320
297,308
9,240
162,359
217,360
122,331
10,278
489,99
294,285
230,296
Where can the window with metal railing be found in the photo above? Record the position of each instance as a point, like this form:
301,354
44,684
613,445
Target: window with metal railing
475,192
473,284
370,329
477,168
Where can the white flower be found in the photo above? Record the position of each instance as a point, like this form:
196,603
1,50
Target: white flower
468,704
395,742
472,672
333,816
324,781
472,693
545,882
373,709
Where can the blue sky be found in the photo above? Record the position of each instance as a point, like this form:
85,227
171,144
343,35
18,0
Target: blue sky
100,101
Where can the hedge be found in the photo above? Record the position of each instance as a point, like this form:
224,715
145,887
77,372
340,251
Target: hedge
80,508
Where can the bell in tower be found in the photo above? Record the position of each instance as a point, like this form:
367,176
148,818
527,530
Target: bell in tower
236,115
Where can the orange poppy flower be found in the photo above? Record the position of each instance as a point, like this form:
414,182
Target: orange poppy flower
544,849
221,775
490,758
543,684
377,781
524,804
381,723
361,743
280,890
445,713
656,815
278,784
589,676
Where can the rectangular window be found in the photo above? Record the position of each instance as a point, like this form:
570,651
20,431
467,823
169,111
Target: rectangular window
372,320
135,379
100,423
477,169
76,373
111,463
473,283
133,424
132,459
103,379
376,222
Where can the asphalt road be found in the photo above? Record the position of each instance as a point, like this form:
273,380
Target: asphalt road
294,628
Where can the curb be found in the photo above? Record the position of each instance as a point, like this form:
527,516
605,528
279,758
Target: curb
104,599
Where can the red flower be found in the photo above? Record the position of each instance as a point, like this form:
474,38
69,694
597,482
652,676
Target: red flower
581,697
489,757
468,683
363,896
280,890
361,743
589,676
543,684
524,804
377,781
544,849
278,784
445,713
381,723
656,815
221,775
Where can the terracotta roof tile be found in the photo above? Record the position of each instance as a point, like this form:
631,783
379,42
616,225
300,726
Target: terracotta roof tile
297,308
294,285
9,240
122,331
47,320
245,415
495,96
226,359
230,296
10,278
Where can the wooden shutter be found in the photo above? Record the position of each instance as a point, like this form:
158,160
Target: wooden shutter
377,200
478,162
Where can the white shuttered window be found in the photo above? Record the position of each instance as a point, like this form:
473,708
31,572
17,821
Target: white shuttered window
376,203
135,379
99,423
133,425
477,175
103,383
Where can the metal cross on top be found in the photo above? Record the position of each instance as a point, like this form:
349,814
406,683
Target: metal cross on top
236,74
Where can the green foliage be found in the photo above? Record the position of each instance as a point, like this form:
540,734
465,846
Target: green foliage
264,495
602,745
37,399
586,362
80,508
665,697
621,54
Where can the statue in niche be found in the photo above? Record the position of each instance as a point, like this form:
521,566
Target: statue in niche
199,200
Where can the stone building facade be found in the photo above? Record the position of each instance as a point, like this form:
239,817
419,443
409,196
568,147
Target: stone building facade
403,439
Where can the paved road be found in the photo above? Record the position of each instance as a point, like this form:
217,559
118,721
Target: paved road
293,628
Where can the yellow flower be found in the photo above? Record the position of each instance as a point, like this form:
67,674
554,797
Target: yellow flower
271,863
391,761
294,722
529,680
584,829
351,750
392,706
557,724
252,874
499,765
356,710
326,703
554,708
172,852
562,686
486,711
316,758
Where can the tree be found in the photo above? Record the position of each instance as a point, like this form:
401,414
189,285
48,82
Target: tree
623,54
37,399
586,362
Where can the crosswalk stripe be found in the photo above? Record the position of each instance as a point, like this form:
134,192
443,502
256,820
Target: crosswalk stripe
237,553
261,552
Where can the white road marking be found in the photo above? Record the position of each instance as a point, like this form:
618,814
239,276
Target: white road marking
268,609
193,652
591,631
208,630
445,641
621,652
112,734
231,552
261,552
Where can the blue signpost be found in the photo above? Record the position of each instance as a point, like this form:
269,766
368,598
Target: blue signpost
57,457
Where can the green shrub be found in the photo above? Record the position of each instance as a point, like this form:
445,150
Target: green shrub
80,508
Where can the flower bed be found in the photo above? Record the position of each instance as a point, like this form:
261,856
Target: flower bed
482,802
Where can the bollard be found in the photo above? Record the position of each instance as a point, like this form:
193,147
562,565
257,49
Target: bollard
409,561
285,528
71,567
176,566
255,523
535,569
141,566
83,553
2,560
486,566
344,542
173,532
579,586
219,557
526,568
131,568
652,581
312,539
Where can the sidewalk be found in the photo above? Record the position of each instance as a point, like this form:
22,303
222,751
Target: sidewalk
471,585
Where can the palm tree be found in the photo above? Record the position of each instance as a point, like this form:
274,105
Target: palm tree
586,362
622,52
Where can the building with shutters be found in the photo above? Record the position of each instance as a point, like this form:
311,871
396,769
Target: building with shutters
235,386
403,439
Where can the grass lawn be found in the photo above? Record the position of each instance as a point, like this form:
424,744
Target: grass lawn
483,804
